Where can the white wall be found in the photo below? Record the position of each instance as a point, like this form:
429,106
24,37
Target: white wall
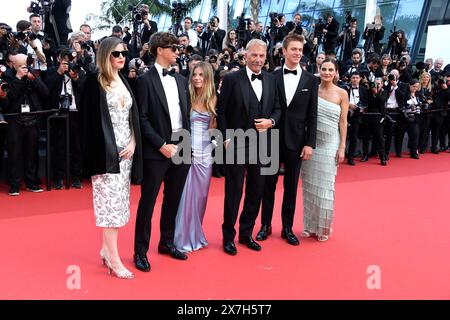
438,45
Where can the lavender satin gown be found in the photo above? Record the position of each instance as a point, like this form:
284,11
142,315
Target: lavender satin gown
189,234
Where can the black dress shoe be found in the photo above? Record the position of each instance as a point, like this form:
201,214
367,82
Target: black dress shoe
383,162
229,247
263,233
434,150
141,262
290,237
365,158
251,244
58,184
170,249
414,156
351,162
398,155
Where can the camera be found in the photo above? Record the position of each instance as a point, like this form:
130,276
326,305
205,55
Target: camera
178,11
4,86
65,101
388,119
240,57
226,56
137,13
319,27
213,59
274,18
348,20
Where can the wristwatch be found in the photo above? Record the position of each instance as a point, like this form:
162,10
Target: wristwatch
273,122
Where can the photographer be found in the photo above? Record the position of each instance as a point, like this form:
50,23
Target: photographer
4,88
358,99
373,125
397,44
348,39
26,93
395,102
331,32
408,120
295,26
185,51
193,40
213,36
354,65
65,85
429,120
442,97
32,44
437,71
85,57
373,34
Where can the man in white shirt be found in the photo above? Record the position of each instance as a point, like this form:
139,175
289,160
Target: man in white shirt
193,39
298,93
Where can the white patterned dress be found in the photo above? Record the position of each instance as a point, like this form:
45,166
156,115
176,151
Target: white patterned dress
111,192
319,173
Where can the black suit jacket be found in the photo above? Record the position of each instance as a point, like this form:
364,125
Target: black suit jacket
298,122
363,94
234,100
213,42
98,143
154,115
332,32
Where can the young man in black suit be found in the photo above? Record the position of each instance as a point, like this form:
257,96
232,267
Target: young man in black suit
164,105
298,93
247,101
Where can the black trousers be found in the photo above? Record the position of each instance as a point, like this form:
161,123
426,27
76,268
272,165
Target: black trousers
353,129
155,173
22,144
2,146
413,135
389,132
235,174
292,165
373,129
445,132
58,136
433,122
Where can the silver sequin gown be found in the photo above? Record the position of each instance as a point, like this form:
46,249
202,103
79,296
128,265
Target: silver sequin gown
319,173
111,192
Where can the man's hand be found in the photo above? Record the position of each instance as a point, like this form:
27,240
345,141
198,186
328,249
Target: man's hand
73,75
22,72
306,153
168,150
262,125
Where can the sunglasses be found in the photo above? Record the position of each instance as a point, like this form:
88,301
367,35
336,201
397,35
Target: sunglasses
174,47
116,54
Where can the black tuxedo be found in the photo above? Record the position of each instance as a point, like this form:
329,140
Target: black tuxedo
238,108
156,130
298,128
355,120
213,40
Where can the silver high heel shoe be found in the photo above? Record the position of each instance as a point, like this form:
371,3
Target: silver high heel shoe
121,274
103,258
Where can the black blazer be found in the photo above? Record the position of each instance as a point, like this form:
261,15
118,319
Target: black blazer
234,100
156,127
298,124
99,149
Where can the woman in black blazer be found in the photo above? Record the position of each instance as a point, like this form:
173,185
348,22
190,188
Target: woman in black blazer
111,146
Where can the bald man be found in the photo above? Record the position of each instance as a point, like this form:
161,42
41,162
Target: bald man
25,96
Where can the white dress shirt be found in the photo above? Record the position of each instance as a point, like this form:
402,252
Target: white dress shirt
291,82
354,96
173,100
256,84
392,101
193,39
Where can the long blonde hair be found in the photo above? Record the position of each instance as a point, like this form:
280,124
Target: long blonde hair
208,94
429,86
105,70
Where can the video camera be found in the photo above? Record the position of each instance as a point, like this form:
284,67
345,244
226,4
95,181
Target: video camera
241,30
178,11
319,27
348,20
274,19
137,13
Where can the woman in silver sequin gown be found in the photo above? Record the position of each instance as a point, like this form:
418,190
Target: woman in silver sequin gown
189,235
319,173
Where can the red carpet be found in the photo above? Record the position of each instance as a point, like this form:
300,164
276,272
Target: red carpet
395,217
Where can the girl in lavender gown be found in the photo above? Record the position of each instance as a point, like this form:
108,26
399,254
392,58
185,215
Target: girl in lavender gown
189,234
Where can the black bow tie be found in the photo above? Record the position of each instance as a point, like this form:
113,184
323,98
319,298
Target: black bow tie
170,72
287,71
355,88
256,76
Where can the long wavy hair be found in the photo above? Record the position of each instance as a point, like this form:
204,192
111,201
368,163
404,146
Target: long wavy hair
429,85
208,95
105,69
